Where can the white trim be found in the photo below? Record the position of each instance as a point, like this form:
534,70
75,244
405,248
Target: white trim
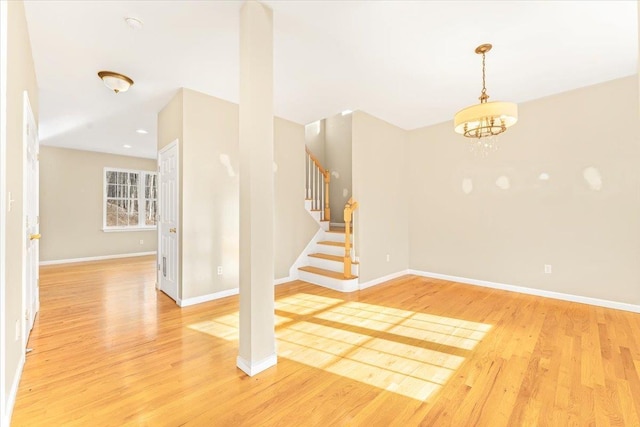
206,298
283,281
383,279
118,230
531,291
223,294
96,258
252,369
11,398
5,415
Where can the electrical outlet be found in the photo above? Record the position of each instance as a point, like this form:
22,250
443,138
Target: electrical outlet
141,242
547,268
388,258
219,270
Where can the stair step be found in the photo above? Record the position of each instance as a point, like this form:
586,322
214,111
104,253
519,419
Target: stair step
326,273
330,257
329,243
336,231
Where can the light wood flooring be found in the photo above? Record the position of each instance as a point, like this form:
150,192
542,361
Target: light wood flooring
108,349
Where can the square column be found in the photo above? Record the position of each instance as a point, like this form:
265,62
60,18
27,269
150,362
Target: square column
257,317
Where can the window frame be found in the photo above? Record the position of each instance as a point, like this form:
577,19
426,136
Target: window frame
141,199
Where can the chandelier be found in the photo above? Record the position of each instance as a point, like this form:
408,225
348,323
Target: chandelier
487,118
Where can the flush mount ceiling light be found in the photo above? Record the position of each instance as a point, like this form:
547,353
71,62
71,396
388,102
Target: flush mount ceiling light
487,118
142,131
115,81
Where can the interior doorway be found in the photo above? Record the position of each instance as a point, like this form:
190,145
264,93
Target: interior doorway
168,221
31,148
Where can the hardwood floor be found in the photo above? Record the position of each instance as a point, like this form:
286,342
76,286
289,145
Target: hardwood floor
108,349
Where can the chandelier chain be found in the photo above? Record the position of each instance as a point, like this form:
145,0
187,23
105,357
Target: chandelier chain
483,94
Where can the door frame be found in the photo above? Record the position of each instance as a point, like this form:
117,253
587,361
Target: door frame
175,143
27,322
3,207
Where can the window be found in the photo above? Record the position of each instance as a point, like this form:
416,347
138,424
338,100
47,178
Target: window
130,199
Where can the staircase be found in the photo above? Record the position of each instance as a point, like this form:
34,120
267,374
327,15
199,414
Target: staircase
330,250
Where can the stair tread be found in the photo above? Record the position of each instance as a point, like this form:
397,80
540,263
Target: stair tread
330,243
330,257
326,273
334,231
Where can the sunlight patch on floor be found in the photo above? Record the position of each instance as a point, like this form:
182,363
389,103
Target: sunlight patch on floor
402,351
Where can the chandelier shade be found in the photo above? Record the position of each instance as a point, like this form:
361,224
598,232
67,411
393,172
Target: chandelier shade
115,81
487,118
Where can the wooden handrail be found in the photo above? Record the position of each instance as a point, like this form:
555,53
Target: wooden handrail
348,216
326,178
323,171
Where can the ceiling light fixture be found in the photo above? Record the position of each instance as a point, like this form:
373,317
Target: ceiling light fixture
345,112
142,131
115,81
487,118
126,146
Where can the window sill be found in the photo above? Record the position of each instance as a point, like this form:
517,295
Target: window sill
125,229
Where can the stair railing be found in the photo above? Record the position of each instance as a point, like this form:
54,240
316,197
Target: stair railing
348,218
318,186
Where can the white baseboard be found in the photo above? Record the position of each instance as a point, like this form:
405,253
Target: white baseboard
209,297
283,280
531,291
383,279
96,258
11,398
222,294
252,369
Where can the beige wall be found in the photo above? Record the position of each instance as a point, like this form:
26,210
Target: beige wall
208,128
294,227
338,136
380,186
314,135
588,232
20,77
71,199
209,194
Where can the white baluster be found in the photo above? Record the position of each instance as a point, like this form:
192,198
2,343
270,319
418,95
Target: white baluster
322,197
313,187
319,186
308,176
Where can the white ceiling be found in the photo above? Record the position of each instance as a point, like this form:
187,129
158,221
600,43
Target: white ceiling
410,63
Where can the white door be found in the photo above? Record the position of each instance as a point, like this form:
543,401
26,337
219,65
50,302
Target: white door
32,219
168,268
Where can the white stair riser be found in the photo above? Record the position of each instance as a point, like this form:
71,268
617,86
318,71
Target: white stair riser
329,282
324,225
328,264
330,250
307,204
336,237
315,215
